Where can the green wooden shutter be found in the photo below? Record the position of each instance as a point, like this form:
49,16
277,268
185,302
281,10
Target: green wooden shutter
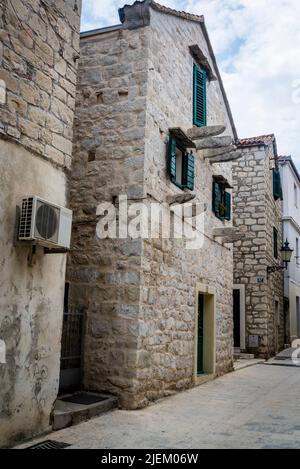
189,170
216,199
172,158
227,200
277,193
275,242
199,112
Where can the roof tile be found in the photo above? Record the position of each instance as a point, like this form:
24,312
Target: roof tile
254,141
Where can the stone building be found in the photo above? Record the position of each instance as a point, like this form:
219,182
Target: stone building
38,52
150,102
290,179
258,292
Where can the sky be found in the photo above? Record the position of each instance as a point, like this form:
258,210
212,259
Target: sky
257,44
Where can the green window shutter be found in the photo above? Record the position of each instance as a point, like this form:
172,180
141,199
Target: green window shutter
172,158
189,170
216,199
227,200
199,112
275,242
277,193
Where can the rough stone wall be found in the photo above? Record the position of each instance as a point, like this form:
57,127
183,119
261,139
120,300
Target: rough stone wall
38,73
170,270
109,148
38,57
140,295
255,214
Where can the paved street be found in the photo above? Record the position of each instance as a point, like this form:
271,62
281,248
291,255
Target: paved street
256,407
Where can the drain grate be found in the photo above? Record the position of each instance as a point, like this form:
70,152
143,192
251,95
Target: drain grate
83,398
49,444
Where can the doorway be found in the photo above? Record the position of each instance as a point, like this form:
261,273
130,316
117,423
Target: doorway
298,316
200,349
276,325
236,319
72,346
239,317
205,341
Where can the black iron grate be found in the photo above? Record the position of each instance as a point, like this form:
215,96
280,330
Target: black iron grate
83,398
49,444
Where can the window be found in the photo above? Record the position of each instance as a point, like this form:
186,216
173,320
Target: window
297,251
275,243
277,192
295,196
221,202
181,165
199,107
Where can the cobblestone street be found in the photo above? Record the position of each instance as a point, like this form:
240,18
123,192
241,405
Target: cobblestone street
257,407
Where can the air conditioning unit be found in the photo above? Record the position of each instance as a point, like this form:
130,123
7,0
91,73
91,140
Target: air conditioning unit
45,223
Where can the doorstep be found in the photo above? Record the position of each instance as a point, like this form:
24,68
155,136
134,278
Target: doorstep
67,413
239,364
201,379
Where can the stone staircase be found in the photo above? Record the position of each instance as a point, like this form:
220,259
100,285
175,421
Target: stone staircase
71,409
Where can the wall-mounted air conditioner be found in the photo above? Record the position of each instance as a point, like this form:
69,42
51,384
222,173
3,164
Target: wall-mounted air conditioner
44,223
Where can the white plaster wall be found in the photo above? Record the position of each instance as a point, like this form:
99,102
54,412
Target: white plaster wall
291,231
31,301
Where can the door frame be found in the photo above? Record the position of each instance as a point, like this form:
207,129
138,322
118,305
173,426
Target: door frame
209,335
241,288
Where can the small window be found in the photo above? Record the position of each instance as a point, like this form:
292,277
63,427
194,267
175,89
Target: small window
277,192
295,196
221,202
275,243
199,102
297,251
180,165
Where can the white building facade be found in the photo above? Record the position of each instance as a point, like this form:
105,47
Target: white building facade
290,179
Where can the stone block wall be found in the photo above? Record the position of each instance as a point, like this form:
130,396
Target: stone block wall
140,294
255,214
39,43
170,270
109,148
38,60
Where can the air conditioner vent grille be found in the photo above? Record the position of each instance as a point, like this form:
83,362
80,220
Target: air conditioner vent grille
46,221
26,218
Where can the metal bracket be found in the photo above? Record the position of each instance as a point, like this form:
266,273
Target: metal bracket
274,268
55,250
31,256
16,227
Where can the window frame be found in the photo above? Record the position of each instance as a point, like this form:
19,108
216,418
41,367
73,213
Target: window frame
196,122
277,188
187,158
222,201
275,242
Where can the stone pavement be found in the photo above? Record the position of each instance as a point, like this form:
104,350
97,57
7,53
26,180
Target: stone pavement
256,407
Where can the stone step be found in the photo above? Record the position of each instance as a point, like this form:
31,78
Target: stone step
66,414
211,152
212,142
243,356
207,131
226,157
180,198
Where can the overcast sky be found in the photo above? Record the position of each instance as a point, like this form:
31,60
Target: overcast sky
257,43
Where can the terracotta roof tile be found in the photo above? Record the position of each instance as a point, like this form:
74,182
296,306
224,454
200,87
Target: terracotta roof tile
181,14
253,141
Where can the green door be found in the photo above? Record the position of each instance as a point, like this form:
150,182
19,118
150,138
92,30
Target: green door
200,350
